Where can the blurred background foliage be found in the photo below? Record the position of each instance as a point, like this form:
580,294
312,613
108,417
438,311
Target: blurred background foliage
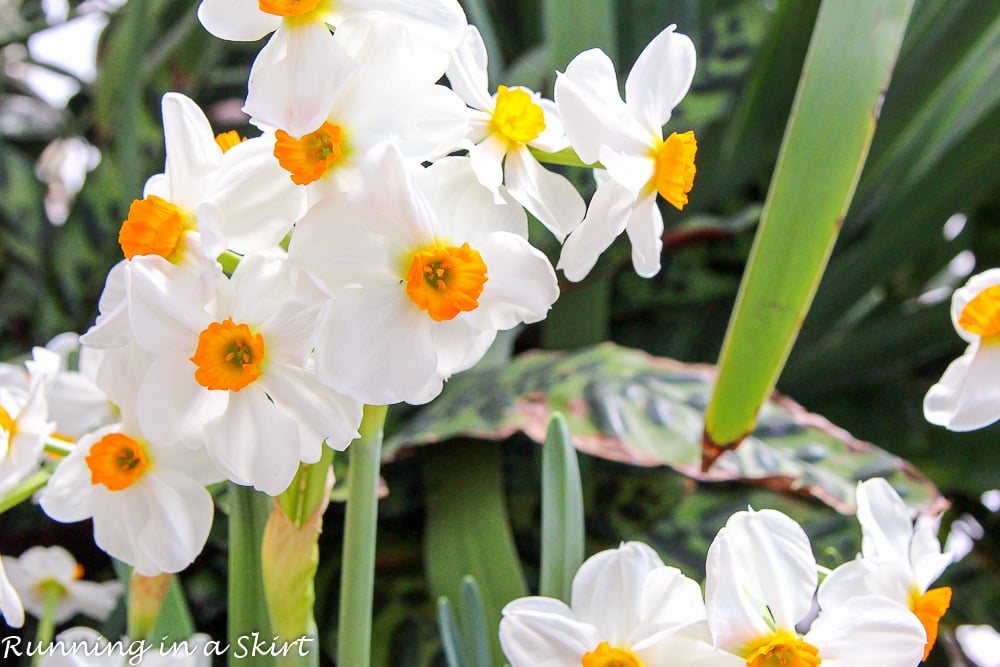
926,214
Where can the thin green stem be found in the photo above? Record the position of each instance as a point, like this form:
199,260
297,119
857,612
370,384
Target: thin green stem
567,157
52,593
24,490
357,576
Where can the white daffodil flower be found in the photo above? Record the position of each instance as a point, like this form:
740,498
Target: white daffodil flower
967,396
899,559
379,97
627,609
10,602
761,578
291,86
231,369
424,269
149,504
24,426
503,127
627,138
41,570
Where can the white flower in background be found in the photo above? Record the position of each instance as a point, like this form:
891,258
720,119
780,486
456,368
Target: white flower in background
628,609
149,504
899,559
967,396
627,138
424,268
85,647
40,570
231,369
503,127
980,643
291,86
76,404
24,426
10,601
379,98
761,578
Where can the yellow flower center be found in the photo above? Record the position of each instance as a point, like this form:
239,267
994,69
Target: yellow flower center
981,316
154,227
782,649
7,423
309,157
116,461
446,280
929,607
607,656
287,7
228,357
227,140
516,118
674,175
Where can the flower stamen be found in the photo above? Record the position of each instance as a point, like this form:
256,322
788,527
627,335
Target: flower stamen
446,280
308,158
116,461
227,140
782,649
229,356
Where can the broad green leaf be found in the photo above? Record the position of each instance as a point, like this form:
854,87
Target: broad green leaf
628,406
467,530
846,73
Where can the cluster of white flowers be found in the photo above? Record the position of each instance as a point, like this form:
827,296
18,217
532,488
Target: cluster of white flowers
762,590
370,242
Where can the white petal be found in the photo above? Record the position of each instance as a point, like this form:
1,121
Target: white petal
294,80
592,110
456,197
548,196
645,232
459,345
869,631
967,396
254,443
236,20
320,412
69,495
380,330
192,152
486,160
760,559
541,631
661,77
257,198
606,218
632,170
10,603
166,304
172,406
93,599
866,576
179,519
520,287
685,645
671,597
608,590
467,70
886,522
112,328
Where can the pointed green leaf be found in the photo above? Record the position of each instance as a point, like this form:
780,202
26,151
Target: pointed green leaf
562,512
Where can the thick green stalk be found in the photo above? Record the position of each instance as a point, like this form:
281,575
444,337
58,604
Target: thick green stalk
357,576
52,593
846,73
248,513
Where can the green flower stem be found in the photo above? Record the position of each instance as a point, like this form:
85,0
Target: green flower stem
24,490
229,261
248,513
52,592
357,576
